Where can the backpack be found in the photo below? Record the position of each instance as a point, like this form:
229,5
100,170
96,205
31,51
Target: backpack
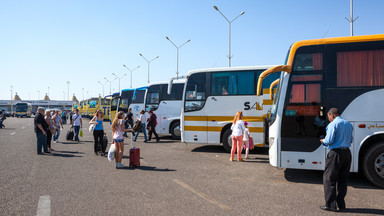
137,126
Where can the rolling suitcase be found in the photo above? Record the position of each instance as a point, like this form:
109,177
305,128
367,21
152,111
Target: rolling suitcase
70,134
134,156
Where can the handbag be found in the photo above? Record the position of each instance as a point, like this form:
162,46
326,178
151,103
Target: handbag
52,130
111,153
81,133
91,128
137,126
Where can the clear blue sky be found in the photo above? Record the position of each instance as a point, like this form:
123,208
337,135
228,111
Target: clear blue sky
45,43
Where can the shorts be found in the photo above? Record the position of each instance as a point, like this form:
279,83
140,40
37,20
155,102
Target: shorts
118,140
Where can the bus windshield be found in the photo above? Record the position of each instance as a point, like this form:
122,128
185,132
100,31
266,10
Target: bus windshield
93,103
153,97
21,108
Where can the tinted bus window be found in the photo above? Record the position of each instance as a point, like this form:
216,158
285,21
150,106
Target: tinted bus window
139,98
233,83
176,92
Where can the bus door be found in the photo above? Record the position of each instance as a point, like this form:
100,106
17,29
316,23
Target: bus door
195,122
304,115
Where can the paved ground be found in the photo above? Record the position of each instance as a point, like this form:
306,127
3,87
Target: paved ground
174,179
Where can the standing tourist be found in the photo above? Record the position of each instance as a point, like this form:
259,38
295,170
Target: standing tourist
118,138
70,116
57,120
237,135
77,121
51,125
41,127
338,161
143,119
246,137
152,122
98,132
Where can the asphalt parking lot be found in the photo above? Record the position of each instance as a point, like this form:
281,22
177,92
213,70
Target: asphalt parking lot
174,179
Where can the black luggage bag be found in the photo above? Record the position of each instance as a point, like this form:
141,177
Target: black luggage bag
70,134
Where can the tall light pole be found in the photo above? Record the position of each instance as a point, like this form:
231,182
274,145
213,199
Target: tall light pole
148,62
110,83
351,20
119,78
11,100
229,22
177,47
68,89
131,72
48,91
101,84
38,95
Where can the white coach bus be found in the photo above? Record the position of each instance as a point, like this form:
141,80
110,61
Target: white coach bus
346,73
167,107
213,96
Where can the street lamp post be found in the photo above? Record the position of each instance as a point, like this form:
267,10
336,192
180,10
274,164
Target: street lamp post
110,83
229,22
11,100
177,47
131,72
68,89
148,62
101,84
119,78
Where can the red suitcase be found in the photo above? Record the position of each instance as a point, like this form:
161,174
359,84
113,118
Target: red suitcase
134,157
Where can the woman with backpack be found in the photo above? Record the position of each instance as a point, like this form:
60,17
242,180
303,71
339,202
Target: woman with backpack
143,119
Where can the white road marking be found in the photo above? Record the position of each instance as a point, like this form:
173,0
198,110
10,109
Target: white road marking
202,195
13,133
44,206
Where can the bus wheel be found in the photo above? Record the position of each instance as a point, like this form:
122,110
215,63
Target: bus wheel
373,165
227,140
175,131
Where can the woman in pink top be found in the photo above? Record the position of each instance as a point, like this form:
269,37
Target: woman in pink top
118,138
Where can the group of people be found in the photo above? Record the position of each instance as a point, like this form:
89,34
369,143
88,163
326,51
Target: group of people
48,125
338,140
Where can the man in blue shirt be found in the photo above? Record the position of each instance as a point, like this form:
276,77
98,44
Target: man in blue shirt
338,162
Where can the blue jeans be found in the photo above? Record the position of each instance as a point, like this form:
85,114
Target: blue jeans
143,129
41,142
57,134
77,130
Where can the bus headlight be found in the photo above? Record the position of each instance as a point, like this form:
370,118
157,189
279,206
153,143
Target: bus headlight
271,141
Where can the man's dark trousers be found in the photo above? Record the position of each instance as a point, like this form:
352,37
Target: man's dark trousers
337,166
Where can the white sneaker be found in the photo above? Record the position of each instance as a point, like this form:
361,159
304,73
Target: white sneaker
55,141
120,165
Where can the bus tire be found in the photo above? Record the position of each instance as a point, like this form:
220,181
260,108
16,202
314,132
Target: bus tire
227,140
175,131
373,164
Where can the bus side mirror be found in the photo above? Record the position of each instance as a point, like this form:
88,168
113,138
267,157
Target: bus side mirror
169,90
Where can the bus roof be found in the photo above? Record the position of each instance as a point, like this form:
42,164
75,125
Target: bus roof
133,89
262,67
336,40
182,80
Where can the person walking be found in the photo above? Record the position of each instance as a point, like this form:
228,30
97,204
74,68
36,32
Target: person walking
143,119
58,122
70,116
338,140
52,126
237,135
41,127
152,122
118,138
98,132
77,124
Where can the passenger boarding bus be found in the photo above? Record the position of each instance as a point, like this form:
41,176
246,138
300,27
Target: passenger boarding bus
137,103
167,107
23,109
213,96
346,73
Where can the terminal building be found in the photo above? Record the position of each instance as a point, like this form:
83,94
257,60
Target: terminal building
47,103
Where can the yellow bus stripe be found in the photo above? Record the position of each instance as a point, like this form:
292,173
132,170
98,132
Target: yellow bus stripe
266,91
267,102
218,129
222,118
